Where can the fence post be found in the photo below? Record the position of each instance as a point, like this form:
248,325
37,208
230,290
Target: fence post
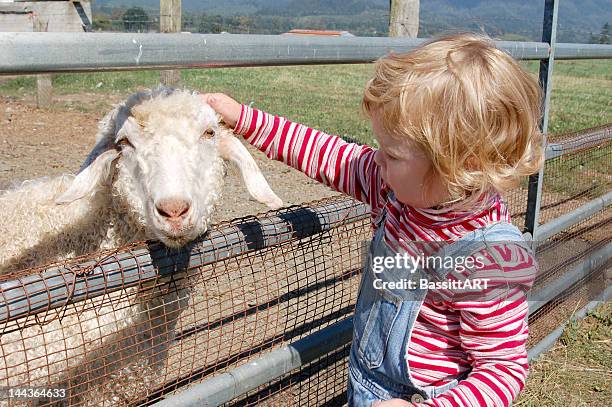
170,22
404,18
44,85
549,35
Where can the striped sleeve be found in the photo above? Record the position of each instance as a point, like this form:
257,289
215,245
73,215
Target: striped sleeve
346,167
493,333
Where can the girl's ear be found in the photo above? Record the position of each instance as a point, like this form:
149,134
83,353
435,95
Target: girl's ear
90,179
472,164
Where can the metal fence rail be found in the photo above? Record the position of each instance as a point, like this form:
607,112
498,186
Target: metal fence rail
28,293
582,140
27,53
569,219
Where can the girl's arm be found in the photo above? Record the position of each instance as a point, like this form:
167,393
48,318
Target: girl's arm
346,167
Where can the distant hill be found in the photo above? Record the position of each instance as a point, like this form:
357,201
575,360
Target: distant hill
520,19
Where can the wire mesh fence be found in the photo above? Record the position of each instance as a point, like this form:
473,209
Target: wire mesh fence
578,176
137,342
135,324
578,171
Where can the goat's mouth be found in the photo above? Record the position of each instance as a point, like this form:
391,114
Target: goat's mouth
175,233
174,242
176,239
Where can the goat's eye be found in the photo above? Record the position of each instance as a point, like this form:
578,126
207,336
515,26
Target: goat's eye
125,142
208,133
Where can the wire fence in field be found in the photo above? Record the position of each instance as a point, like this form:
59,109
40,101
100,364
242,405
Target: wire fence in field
138,323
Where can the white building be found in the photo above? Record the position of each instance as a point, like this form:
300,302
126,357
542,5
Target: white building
58,16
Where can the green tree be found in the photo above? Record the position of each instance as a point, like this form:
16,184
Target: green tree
604,36
101,22
135,19
211,24
244,24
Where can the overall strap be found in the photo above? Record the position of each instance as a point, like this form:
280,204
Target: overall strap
476,240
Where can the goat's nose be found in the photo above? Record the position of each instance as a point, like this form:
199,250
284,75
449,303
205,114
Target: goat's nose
172,208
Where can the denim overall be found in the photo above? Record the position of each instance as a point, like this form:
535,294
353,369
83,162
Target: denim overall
384,319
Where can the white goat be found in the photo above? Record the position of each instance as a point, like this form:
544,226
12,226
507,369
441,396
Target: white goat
156,172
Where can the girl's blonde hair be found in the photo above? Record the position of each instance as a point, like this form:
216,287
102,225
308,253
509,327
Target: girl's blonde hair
469,106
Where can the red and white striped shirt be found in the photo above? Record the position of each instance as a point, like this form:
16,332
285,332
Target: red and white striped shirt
485,338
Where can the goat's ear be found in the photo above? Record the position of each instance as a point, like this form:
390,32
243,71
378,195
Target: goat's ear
90,179
231,149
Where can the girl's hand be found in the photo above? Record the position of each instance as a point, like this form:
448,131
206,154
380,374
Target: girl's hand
392,403
227,107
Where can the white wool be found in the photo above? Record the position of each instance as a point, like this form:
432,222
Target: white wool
116,209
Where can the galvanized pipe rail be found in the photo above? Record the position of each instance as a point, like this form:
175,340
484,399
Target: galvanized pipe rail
569,219
30,53
564,51
225,387
55,286
584,140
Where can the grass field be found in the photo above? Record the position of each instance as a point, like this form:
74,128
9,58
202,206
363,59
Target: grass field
577,371
328,96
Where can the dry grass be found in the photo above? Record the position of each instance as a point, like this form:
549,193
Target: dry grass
577,371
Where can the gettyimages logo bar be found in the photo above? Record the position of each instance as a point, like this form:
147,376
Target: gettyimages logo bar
498,271
482,272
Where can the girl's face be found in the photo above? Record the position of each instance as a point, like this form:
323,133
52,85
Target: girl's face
406,168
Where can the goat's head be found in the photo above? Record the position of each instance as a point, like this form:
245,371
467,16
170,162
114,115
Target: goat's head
164,157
